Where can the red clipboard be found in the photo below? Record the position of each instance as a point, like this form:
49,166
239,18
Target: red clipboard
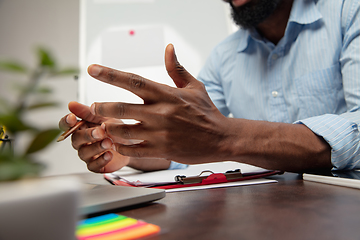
216,178
213,178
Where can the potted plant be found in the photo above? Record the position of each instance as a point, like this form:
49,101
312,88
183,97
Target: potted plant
24,196
31,94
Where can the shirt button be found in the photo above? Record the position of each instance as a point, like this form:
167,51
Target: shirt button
275,56
274,93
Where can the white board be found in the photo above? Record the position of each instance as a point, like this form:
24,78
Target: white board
131,35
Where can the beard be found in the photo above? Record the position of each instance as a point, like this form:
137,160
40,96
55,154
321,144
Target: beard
253,13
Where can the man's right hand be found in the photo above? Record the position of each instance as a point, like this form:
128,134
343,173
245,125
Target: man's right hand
95,147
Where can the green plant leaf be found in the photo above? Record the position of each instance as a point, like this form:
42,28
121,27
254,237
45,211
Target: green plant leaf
4,105
22,89
12,66
45,58
44,90
17,167
42,105
38,90
1,131
66,71
13,123
42,139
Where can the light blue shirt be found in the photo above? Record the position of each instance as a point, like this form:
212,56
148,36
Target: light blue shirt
311,77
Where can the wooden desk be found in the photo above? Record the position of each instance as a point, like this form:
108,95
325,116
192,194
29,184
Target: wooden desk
289,209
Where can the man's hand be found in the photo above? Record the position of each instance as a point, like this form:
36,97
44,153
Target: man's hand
180,124
94,146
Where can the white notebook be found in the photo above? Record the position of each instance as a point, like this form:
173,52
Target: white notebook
339,178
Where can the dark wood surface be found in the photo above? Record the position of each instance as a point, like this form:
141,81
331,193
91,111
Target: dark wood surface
289,209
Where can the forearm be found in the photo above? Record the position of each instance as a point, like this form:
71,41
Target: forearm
281,146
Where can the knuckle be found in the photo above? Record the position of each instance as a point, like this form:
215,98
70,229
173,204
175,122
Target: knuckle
170,113
74,141
125,131
91,168
88,136
62,124
111,75
81,138
138,154
136,81
180,68
121,109
99,109
95,165
74,146
81,154
129,151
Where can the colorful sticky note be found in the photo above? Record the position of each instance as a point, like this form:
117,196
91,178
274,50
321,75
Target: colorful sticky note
114,227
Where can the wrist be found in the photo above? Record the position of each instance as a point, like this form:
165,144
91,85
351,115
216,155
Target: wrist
280,146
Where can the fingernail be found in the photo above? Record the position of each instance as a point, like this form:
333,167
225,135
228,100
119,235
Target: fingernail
103,126
67,119
70,117
92,109
95,134
94,70
108,156
106,144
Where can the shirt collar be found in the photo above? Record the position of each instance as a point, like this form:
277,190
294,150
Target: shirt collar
244,39
303,12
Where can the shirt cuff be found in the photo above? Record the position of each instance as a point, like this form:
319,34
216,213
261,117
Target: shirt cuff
341,134
175,165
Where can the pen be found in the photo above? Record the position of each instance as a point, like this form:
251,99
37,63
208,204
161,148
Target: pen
70,131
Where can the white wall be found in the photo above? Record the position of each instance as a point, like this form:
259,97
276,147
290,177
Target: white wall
25,24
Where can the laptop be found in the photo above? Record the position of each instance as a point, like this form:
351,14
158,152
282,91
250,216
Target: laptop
99,198
49,208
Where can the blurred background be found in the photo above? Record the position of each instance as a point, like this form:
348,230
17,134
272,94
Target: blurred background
54,25
25,25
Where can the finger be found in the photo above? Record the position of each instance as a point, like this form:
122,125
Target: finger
118,110
67,121
176,71
86,136
139,150
83,112
108,162
144,88
87,152
98,165
125,131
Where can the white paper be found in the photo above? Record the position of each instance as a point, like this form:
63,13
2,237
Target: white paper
221,185
166,176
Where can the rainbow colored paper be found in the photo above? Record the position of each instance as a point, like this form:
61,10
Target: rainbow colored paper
114,227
